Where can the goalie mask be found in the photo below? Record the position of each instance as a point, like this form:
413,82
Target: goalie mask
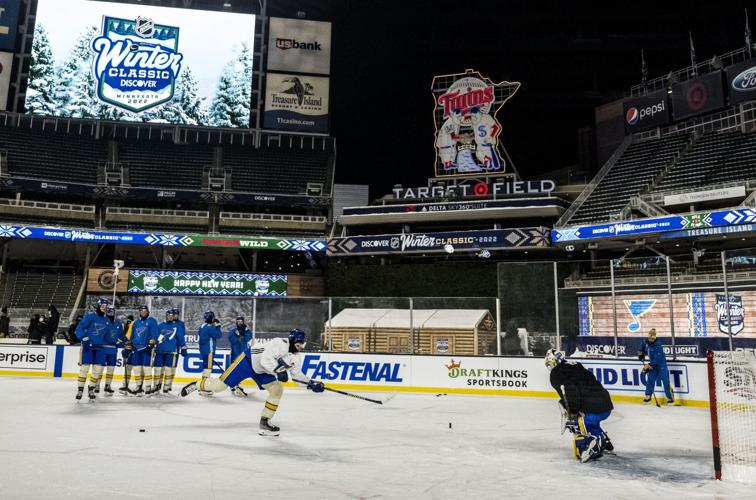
553,358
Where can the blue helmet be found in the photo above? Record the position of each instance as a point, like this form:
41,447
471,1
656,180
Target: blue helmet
110,310
209,316
240,318
102,301
297,336
174,311
143,308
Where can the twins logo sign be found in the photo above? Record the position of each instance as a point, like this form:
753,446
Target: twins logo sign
136,63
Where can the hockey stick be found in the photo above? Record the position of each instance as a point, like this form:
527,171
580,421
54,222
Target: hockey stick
376,401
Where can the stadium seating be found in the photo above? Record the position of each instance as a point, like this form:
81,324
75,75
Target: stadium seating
35,289
52,156
155,164
281,171
641,162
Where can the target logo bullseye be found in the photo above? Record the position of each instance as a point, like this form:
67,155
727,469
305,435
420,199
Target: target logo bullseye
480,189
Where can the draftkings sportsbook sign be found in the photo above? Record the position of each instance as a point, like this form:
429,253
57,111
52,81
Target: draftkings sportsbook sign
198,283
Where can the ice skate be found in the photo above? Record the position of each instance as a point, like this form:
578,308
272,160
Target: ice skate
79,393
91,393
124,389
239,392
108,391
267,429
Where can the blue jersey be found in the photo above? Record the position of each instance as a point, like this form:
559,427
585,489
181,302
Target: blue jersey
655,352
170,337
115,337
208,336
238,340
93,327
144,330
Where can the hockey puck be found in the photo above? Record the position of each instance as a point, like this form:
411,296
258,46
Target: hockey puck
449,425
142,430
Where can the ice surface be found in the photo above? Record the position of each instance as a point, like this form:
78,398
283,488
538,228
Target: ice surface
333,446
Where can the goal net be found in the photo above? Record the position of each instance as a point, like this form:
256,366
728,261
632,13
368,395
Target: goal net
732,396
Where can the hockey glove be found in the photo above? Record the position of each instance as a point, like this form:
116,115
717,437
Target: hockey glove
183,351
283,376
315,386
129,346
647,367
641,356
86,342
126,353
282,366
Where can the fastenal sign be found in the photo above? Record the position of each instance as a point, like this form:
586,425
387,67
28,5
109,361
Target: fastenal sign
449,242
199,283
467,131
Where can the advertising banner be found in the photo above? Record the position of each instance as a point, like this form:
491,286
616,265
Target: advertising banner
200,283
695,314
299,45
741,81
646,112
296,102
440,242
467,131
158,239
485,375
685,347
700,95
138,62
9,10
6,66
686,222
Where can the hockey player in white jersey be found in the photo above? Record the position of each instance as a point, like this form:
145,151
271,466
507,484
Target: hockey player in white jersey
269,366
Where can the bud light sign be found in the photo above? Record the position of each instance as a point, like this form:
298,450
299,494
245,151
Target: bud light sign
136,63
631,378
646,112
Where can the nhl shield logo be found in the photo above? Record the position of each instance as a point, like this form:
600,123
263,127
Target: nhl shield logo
136,63
145,27
737,314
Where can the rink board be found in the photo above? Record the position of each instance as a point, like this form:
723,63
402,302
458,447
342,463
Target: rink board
481,375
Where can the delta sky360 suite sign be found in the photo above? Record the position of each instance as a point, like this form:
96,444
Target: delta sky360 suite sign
467,131
141,63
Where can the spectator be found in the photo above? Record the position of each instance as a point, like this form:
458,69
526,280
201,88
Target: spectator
52,324
71,334
36,330
4,323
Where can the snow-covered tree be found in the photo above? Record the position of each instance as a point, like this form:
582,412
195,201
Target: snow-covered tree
231,104
40,94
75,92
186,107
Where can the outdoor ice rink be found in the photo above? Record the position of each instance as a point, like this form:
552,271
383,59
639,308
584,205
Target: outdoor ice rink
333,446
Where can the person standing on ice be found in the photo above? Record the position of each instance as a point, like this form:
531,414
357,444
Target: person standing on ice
584,402
239,337
92,332
209,333
141,342
113,339
268,365
656,368
170,343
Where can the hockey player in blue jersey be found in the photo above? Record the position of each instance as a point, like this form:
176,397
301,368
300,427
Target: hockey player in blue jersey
115,338
239,337
209,333
268,365
92,331
656,368
143,337
585,403
170,343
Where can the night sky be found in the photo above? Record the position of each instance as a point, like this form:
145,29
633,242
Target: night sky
569,56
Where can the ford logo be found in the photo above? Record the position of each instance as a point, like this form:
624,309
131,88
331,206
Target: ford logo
746,80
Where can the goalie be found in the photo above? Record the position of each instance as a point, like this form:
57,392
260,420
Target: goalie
268,365
584,403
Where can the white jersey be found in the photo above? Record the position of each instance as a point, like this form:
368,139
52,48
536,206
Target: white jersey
274,357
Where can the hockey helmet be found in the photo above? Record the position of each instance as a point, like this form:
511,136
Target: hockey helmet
110,311
209,316
297,336
553,358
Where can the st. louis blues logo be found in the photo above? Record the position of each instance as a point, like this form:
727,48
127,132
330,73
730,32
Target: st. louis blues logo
136,63
638,308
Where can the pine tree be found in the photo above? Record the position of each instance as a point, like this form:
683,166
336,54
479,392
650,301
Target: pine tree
231,103
222,107
75,91
40,94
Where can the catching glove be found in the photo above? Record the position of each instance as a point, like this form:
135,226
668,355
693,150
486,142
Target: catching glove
315,386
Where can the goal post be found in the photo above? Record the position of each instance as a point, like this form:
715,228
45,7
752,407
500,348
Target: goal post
732,404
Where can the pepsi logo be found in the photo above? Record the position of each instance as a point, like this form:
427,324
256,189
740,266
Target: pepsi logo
632,116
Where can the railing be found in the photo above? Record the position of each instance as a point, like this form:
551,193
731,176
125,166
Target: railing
564,219
677,278
157,212
315,219
68,207
4,163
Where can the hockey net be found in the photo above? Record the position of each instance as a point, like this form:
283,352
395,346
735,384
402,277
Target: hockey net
732,396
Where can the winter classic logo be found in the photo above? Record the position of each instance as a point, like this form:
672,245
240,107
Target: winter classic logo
136,63
736,316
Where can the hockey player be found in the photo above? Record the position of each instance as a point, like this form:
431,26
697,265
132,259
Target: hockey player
170,343
585,402
656,368
239,337
268,365
143,337
113,339
92,331
209,333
